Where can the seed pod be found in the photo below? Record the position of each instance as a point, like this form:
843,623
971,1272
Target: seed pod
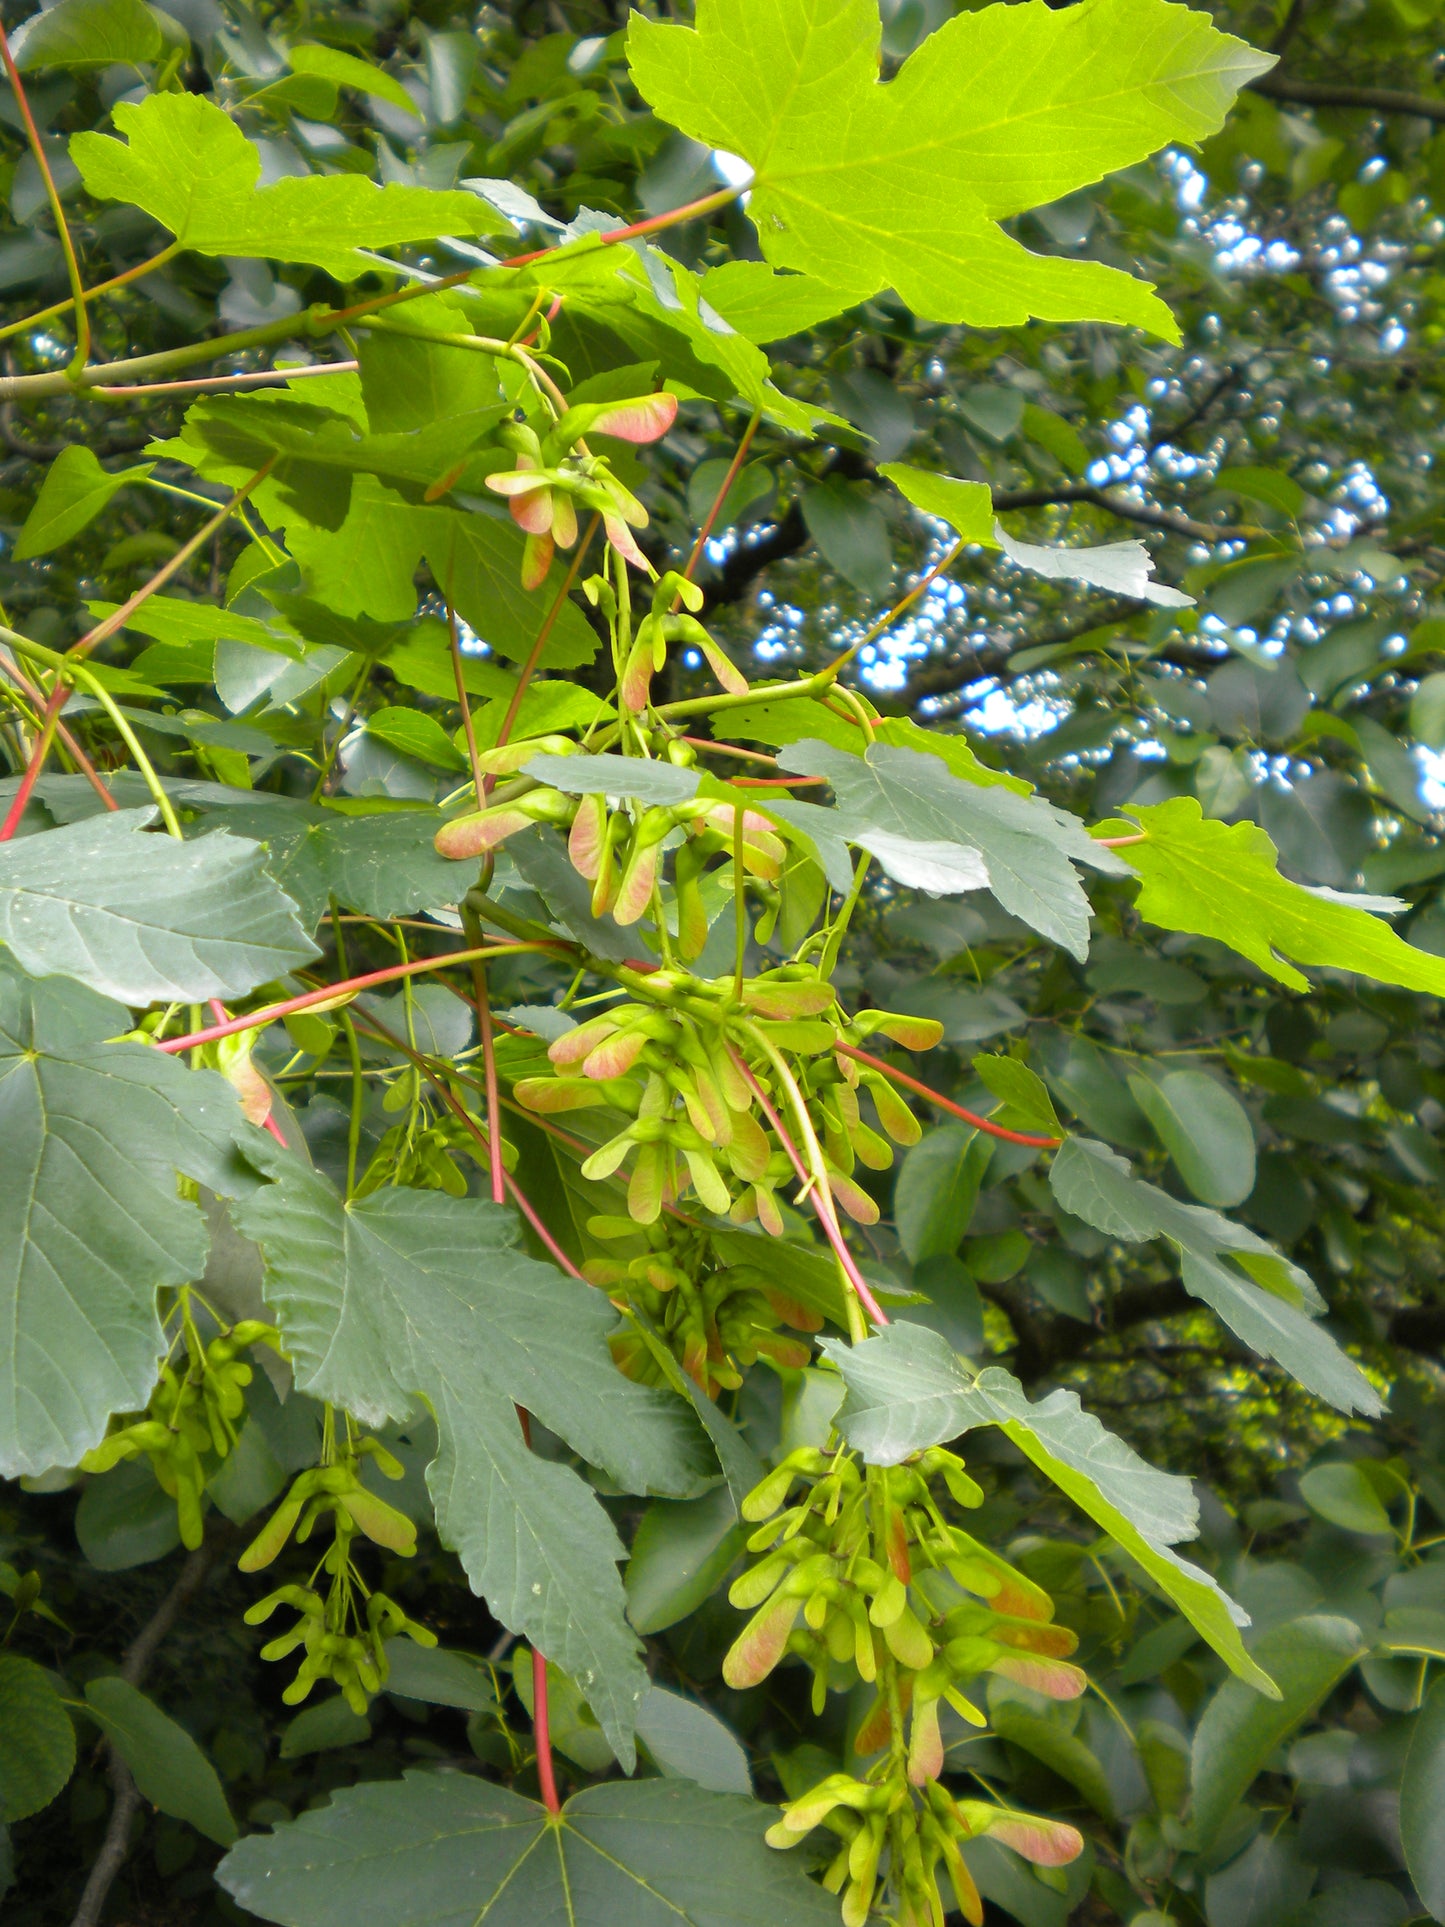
635,684
765,1498
277,1530
762,1642
638,877
688,630
604,890
614,1056
981,1571
912,1033
852,1198
1047,1843
707,1182
907,1641
965,1892
508,758
483,830
545,1095
893,1114
573,1045
382,1523
925,1742
788,1000
646,1185
1056,1679
752,1588
608,1157
769,1216
587,837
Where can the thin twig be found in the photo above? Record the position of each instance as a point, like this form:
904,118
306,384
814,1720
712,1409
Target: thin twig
717,501
1380,100
216,382
479,782
549,622
121,280
72,265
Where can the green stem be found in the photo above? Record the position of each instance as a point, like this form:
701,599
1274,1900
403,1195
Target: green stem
128,736
72,265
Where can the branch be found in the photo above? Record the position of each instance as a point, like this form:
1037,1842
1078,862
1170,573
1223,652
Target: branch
1380,100
943,677
790,535
1102,498
134,1667
1419,1328
1046,1343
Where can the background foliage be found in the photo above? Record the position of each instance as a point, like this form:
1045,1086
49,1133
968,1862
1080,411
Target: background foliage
1278,459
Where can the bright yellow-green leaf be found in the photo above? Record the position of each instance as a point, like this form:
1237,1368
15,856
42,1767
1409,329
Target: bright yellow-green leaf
1222,880
189,165
904,184
329,63
967,507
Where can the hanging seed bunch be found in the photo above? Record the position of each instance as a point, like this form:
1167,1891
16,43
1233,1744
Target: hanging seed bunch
193,1417
716,1318
342,1633
862,1576
697,1074
556,475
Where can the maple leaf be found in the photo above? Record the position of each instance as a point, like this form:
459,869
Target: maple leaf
902,184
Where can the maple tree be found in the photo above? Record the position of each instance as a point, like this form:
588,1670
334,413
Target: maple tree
467,1132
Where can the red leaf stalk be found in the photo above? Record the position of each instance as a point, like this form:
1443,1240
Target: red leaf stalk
947,1103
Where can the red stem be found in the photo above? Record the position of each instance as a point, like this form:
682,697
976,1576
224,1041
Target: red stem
77,755
542,1734
494,1099
947,1103
258,1019
687,212
717,501
50,717
831,1229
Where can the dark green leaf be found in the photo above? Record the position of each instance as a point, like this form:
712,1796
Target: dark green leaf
37,1741
1263,1298
448,1850
1204,1129
439,1677
170,1770
388,1302
89,33
86,1123
937,1188
1239,1730
1422,1801
680,1556
143,918
687,1742
321,1728
932,831
125,1520
1342,1494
